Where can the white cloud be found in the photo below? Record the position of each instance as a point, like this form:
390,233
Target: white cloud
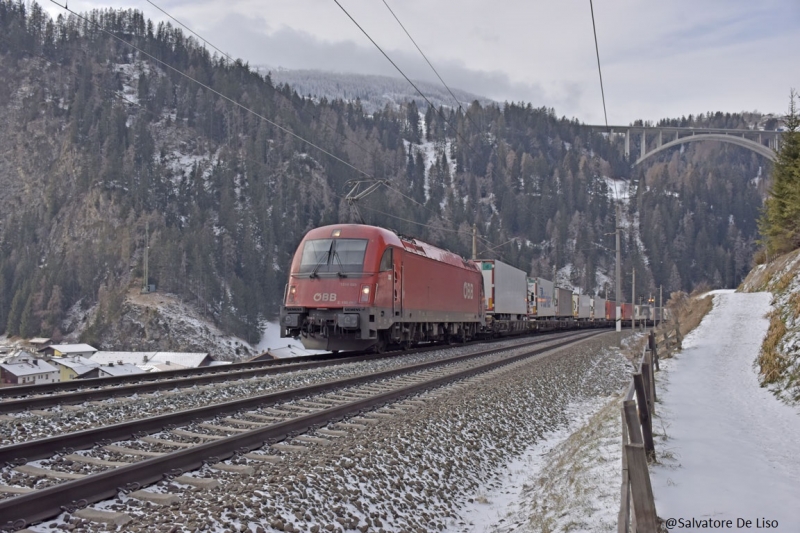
659,59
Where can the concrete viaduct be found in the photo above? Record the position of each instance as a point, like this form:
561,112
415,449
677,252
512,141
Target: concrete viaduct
764,143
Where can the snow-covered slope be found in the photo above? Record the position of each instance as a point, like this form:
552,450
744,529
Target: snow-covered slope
725,451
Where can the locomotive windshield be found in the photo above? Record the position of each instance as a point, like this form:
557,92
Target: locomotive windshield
333,255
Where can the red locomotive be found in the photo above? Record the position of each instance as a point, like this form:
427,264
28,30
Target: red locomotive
354,286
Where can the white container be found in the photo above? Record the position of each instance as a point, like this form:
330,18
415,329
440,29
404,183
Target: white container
563,303
598,308
541,300
505,288
581,306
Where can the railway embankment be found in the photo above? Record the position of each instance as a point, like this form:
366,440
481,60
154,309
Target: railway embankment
779,359
414,466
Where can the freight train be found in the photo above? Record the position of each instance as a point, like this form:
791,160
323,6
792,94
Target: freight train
355,287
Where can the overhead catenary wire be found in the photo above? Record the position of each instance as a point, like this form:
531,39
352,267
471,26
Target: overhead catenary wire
602,90
221,95
414,85
258,115
599,70
224,53
457,101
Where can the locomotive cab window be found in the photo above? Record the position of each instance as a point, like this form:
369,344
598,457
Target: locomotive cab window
386,260
333,255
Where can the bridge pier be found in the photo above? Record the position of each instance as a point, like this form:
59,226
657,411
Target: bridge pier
627,144
643,147
660,139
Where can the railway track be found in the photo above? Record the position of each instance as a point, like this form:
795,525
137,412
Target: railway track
23,398
173,444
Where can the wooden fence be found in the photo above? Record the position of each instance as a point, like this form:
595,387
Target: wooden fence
638,408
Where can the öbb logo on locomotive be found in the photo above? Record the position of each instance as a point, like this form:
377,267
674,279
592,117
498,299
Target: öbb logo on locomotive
469,291
325,297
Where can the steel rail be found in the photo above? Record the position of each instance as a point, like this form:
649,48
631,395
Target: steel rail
79,396
46,447
44,388
17,391
36,506
78,391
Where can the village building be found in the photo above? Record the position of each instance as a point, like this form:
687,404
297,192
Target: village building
75,367
25,369
39,342
60,350
155,360
116,369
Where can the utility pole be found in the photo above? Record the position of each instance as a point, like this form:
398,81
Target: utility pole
619,278
145,285
660,304
633,302
474,242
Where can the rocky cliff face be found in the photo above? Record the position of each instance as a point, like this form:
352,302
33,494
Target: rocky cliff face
160,322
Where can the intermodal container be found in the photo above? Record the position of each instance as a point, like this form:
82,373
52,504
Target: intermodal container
563,303
541,302
627,311
598,308
505,288
581,306
611,310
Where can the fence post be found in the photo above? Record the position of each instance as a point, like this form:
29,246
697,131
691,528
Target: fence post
644,506
650,383
632,423
623,520
644,414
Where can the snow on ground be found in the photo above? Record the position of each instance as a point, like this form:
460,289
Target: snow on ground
568,481
271,338
730,445
618,189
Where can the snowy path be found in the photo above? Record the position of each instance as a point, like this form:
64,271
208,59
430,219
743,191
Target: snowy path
734,444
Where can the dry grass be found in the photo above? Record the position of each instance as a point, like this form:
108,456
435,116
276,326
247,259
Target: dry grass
687,313
765,276
784,282
794,303
566,485
771,362
694,313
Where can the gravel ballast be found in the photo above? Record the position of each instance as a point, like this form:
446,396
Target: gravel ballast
26,426
405,471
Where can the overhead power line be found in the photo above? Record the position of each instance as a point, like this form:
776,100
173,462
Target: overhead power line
414,85
187,28
597,50
258,115
457,101
230,59
208,88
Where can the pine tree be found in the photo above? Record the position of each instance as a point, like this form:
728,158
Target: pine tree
780,219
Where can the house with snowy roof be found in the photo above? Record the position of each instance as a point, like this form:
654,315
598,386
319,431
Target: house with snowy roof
116,369
156,360
74,367
25,369
60,350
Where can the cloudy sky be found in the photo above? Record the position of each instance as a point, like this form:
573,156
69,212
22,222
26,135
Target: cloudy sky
659,59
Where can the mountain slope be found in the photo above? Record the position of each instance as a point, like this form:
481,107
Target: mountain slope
101,143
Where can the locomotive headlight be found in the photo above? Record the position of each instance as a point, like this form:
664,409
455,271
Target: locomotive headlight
292,293
365,293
